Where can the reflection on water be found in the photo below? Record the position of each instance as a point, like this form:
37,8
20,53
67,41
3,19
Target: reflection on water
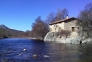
11,50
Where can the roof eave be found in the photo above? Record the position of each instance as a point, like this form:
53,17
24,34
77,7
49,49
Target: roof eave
62,21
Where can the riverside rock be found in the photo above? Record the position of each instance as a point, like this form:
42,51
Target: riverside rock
87,41
52,36
35,56
24,49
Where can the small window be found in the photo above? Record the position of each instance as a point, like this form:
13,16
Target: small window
55,25
78,27
73,28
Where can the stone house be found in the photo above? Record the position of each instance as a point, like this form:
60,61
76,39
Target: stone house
69,24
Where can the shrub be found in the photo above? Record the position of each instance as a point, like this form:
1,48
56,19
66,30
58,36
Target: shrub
65,33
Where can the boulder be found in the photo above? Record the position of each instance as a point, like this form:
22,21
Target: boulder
87,41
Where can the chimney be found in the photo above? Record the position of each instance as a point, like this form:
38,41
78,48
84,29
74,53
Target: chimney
67,17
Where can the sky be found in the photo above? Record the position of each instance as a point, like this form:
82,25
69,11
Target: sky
20,14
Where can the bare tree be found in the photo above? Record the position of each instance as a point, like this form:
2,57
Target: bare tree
50,18
58,15
85,17
64,13
39,28
61,14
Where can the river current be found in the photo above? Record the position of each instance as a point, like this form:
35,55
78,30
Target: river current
12,50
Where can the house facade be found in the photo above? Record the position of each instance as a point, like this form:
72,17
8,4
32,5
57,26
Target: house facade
69,24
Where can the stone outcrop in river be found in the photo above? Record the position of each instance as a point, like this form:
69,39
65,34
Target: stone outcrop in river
53,36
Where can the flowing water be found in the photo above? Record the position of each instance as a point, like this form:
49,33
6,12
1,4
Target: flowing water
12,50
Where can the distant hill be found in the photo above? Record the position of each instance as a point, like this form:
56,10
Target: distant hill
4,27
13,32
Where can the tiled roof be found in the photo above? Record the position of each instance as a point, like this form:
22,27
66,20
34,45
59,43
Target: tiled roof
63,20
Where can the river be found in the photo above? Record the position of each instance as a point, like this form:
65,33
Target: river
12,50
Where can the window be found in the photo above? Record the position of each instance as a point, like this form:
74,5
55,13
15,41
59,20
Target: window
78,27
73,28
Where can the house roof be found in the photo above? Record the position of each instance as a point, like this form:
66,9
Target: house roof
64,20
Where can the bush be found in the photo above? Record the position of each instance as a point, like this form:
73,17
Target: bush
65,33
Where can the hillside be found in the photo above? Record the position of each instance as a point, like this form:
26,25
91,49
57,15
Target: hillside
10,31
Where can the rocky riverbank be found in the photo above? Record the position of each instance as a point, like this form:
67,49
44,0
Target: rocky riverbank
73,40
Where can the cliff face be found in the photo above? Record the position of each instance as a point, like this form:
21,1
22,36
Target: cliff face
53,36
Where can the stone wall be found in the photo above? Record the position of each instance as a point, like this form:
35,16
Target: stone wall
64,26
70,24
56,27
72,27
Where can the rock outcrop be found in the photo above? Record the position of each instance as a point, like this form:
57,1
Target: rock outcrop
54,37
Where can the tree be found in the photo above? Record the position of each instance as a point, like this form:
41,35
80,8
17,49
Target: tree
61,14
50,18
64,13
39,28
85,17
27,33
4,33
